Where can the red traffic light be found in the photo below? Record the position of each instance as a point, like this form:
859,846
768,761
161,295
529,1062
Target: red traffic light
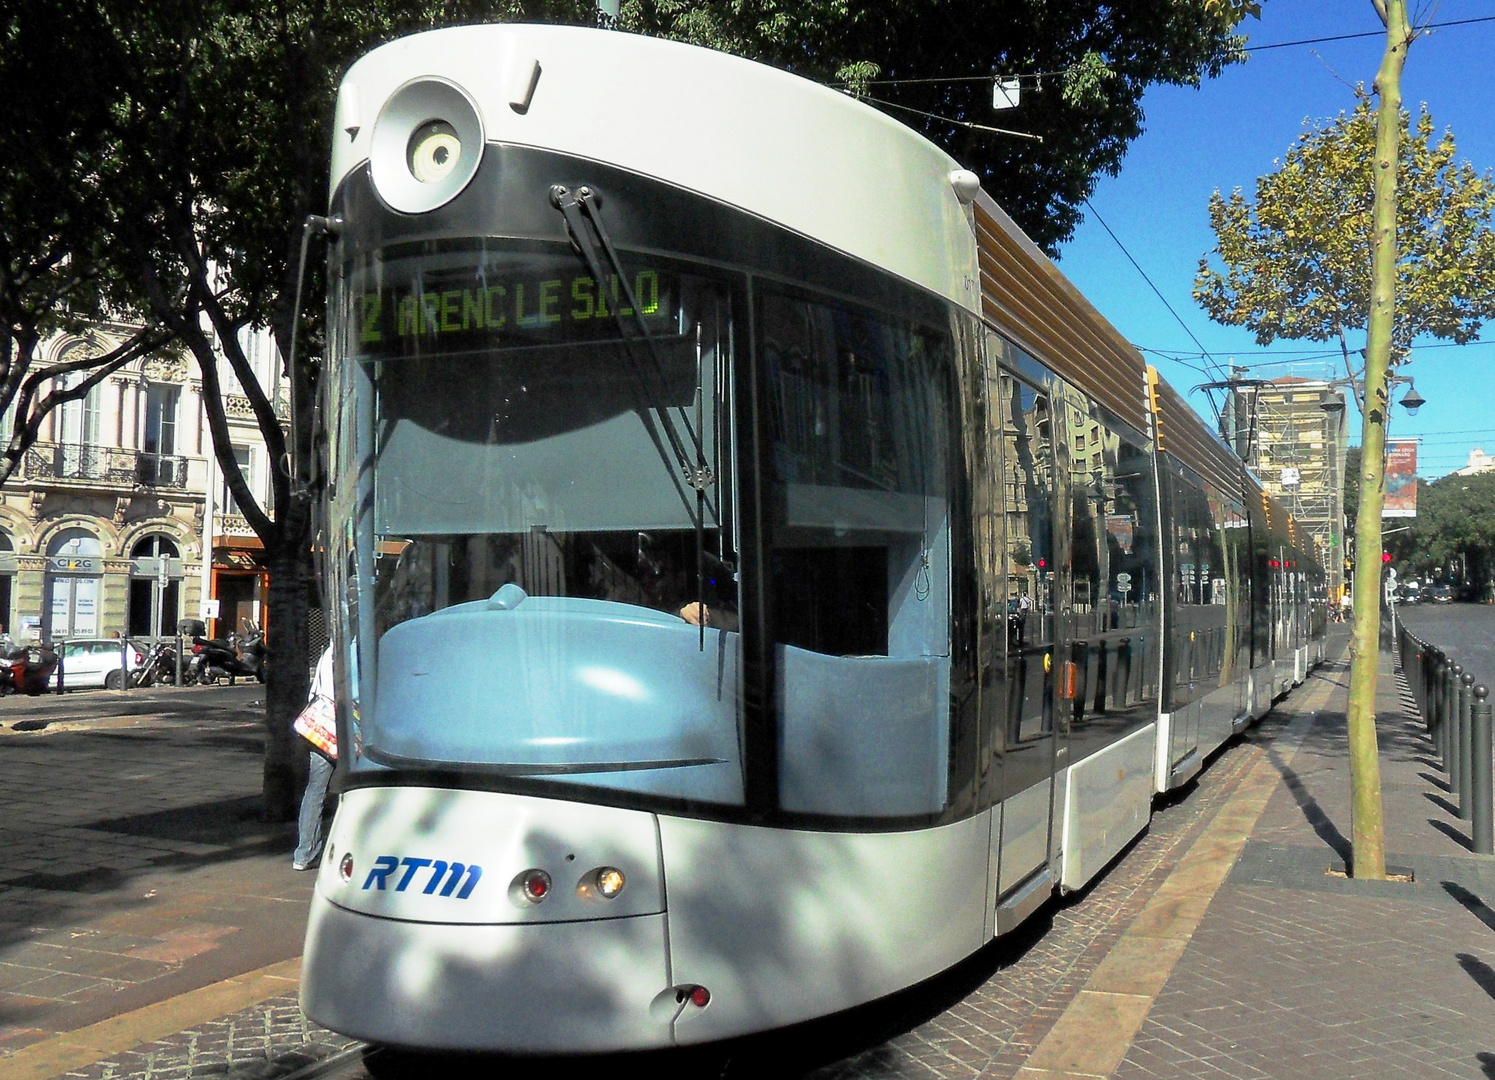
1385,556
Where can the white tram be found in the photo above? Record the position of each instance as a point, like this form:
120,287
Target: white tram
623,331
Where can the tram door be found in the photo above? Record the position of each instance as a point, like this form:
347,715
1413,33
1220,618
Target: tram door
1025,427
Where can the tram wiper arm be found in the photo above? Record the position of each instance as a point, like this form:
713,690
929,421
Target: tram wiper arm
580,208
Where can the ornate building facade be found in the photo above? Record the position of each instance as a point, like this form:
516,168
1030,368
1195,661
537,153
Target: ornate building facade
115,520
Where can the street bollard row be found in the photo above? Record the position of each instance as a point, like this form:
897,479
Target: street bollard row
1458,717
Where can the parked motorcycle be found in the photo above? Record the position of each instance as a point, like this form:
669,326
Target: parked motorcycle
231,658
157,666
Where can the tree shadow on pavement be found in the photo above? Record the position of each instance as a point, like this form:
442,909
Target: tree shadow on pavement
1322,824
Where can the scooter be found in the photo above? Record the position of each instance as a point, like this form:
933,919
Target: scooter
231,658
28,668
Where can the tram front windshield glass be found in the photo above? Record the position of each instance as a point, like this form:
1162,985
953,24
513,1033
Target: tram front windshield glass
533,504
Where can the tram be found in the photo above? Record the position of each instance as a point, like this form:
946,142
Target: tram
759,578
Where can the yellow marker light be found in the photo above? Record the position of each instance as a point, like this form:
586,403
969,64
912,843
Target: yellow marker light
608,881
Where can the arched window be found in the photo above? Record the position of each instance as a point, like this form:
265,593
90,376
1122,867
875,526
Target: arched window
75,567
7,579
76,542
153,546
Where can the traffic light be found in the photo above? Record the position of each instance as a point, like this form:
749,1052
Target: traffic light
1385,556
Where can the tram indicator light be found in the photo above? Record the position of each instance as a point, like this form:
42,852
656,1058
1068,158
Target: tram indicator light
536,885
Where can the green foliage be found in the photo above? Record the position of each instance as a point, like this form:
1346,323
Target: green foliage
1096,60
1297,261
1454,526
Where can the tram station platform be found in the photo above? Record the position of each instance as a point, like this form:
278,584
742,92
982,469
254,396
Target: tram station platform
150,927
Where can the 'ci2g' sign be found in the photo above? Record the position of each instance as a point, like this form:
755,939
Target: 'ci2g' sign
461,310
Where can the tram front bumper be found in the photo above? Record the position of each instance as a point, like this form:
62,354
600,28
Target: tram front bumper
532,988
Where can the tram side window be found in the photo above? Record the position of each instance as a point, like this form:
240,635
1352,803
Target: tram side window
1113,553
856,417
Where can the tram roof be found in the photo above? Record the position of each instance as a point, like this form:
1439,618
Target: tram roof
776,145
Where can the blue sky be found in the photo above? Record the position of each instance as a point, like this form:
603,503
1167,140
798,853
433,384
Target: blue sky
1230,131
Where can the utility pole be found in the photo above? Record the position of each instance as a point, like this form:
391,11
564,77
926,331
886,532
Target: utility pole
1368,829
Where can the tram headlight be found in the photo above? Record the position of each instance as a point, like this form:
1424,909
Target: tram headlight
435,149
608,881
427,145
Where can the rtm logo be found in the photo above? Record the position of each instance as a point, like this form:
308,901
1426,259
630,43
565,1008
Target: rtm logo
386,865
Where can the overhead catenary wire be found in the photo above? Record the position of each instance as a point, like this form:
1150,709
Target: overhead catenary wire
1205,353
952,120
1037,76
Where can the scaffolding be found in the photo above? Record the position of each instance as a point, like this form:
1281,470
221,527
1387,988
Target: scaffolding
1291,431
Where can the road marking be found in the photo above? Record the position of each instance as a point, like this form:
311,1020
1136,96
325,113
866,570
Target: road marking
75,1049
1092,1036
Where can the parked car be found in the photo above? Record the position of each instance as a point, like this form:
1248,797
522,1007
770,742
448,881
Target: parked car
88,663
1440,593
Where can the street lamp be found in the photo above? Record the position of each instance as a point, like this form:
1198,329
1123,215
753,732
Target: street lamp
1413,401
1333,402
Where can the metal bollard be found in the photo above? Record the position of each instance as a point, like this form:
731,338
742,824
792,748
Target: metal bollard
1435,707
179,647
1451,675
1427,704
1466,746
1484,803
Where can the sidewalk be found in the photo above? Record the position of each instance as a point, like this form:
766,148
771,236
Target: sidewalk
1296,973
1221,945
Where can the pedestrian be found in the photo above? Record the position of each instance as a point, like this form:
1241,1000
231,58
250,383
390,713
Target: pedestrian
317,724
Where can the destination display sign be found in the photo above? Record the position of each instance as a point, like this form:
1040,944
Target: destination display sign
419,307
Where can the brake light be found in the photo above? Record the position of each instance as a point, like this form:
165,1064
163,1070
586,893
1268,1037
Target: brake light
139,659
196,649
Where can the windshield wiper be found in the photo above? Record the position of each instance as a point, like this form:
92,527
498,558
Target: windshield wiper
582,208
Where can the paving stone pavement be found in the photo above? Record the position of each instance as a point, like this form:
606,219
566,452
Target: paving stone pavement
136,866
271,1040
1294,972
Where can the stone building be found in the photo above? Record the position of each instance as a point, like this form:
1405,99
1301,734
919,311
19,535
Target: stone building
113,521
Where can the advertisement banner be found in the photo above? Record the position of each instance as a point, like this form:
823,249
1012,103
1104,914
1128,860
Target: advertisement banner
1401,479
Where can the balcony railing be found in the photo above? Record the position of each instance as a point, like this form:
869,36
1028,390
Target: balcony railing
104,465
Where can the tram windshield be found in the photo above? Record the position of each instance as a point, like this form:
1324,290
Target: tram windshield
533,495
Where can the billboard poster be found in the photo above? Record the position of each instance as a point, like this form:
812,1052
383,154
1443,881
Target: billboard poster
1401,479
1122,530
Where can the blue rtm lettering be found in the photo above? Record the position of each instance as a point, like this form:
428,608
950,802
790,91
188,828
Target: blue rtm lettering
387,865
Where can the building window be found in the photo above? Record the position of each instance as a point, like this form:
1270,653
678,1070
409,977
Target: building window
225,494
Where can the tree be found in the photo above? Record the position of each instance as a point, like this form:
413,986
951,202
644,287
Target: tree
1365,224
1084,66
1455,525
220,127
54,139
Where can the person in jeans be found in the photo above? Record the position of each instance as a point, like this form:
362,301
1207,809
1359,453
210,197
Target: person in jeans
316,724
